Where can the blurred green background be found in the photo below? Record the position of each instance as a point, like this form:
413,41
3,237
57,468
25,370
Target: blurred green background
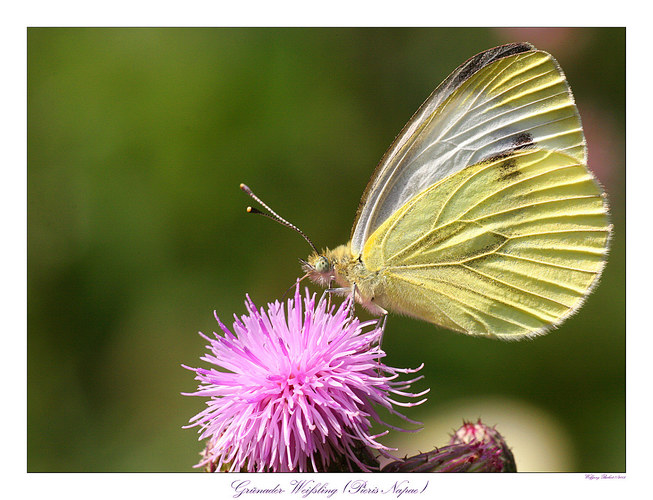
137,231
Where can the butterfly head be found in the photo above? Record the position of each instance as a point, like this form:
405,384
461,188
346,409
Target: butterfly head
319,268
328,266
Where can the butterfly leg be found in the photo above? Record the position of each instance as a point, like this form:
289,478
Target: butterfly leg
349,292
354,289
337,291
326,294
380,323
328,290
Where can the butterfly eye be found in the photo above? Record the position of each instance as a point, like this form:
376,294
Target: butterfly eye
322,265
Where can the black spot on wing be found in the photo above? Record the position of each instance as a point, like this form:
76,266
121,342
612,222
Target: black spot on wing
508,170
470,67
523,140
511,49
486,57
498,156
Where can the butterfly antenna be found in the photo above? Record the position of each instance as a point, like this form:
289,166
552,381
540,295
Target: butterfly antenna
273,215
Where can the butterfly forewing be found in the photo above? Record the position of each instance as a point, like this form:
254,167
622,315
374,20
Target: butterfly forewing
496,103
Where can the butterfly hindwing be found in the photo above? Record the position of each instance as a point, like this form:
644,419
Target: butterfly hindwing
505,247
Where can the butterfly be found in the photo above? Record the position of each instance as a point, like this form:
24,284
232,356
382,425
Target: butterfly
482,217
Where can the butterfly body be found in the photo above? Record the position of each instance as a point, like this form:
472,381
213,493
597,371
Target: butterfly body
482,217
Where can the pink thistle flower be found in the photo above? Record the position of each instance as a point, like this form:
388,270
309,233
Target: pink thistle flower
299,390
